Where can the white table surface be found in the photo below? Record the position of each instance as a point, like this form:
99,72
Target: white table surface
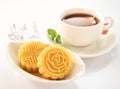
102,72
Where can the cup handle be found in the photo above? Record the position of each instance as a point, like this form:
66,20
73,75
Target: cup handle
106,32
108,23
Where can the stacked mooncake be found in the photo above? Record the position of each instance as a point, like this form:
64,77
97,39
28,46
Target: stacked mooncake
28,54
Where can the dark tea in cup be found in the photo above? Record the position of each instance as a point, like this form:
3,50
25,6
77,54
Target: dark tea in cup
80,19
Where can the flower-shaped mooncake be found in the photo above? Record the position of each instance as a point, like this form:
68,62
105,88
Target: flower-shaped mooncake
54,62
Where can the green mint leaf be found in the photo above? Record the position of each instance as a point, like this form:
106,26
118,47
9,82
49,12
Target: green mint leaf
52,33
58,39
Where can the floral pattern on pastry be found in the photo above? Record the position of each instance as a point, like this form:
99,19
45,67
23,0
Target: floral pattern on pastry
54,62
28,54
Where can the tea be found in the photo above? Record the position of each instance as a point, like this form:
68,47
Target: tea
80,19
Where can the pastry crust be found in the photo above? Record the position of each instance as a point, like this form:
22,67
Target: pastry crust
54,62
28,54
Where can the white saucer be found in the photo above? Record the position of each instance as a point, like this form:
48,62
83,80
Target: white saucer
101,46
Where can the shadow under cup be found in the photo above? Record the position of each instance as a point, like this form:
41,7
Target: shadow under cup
81,27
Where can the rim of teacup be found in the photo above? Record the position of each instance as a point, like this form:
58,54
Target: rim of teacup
95,13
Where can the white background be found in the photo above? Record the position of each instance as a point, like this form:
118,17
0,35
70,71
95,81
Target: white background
103,71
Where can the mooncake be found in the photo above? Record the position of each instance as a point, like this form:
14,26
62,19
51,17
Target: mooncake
28,54
54,62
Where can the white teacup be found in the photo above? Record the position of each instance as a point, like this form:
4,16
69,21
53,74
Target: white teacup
86,29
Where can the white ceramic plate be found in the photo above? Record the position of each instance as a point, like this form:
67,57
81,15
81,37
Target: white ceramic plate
101,46
77,70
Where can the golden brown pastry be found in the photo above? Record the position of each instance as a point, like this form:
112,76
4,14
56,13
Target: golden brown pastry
54,62
28,54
